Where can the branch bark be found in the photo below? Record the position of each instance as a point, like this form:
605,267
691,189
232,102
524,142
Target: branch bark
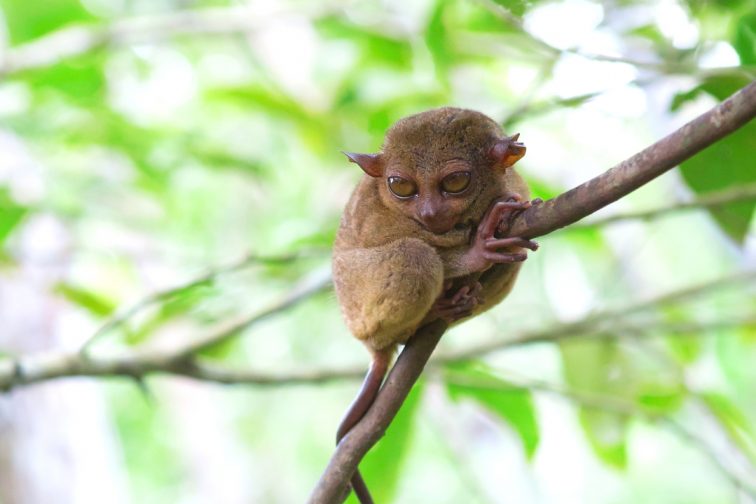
567,208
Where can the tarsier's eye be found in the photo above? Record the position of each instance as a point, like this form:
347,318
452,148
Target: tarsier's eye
402,187
456,182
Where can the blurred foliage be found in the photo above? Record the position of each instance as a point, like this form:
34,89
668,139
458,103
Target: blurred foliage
163,149
512,404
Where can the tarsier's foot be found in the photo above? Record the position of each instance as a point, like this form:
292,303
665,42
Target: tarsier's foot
452,306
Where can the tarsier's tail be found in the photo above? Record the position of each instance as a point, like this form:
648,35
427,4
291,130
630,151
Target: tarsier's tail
361,404
361,489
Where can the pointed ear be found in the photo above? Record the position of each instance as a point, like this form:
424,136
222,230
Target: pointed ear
372,164
507,151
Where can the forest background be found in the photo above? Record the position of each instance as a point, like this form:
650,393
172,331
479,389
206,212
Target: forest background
171,182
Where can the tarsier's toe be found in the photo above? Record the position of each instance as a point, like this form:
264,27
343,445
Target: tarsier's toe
459,304
515,205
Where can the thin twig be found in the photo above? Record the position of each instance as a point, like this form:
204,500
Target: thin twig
161,296
46,366
714,199
309,286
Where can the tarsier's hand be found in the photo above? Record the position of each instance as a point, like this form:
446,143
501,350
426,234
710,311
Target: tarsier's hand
486,248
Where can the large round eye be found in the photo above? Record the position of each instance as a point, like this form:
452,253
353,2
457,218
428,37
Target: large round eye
402,187
456,182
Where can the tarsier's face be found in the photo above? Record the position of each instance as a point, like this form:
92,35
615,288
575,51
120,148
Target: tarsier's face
437,164
437,198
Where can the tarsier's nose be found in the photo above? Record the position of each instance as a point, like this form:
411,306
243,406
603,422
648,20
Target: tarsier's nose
435,222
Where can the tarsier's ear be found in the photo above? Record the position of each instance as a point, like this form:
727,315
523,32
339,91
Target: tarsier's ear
372,164
507,151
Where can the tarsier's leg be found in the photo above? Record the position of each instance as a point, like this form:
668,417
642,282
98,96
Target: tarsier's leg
385,292
389,290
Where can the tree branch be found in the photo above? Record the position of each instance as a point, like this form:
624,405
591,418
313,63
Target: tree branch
539,220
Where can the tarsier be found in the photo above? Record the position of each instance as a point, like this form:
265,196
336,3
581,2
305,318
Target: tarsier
423,236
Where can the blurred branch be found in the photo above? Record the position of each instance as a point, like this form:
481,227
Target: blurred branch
219,374
311,285
665,67
714,199
622,408
46,366
119,319
609,321
80,39
538,220
35,368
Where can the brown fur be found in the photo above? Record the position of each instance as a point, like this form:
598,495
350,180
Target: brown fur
388,268
393,256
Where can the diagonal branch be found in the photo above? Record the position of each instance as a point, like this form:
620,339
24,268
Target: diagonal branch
539,220
161,296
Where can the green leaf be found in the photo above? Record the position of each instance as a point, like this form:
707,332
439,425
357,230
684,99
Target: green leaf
376,47
516,7
382,466
745,39
93,302
649,32
727,163
598,366
105,127
27,20
11,214
80,79
178,303
657,399
512,404
732,420
719,86
606,433
685,347
437,39
536,109
272,101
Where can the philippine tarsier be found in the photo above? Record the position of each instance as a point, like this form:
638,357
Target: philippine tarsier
429,213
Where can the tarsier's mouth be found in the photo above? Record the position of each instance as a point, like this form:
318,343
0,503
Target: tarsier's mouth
463,225
437,228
